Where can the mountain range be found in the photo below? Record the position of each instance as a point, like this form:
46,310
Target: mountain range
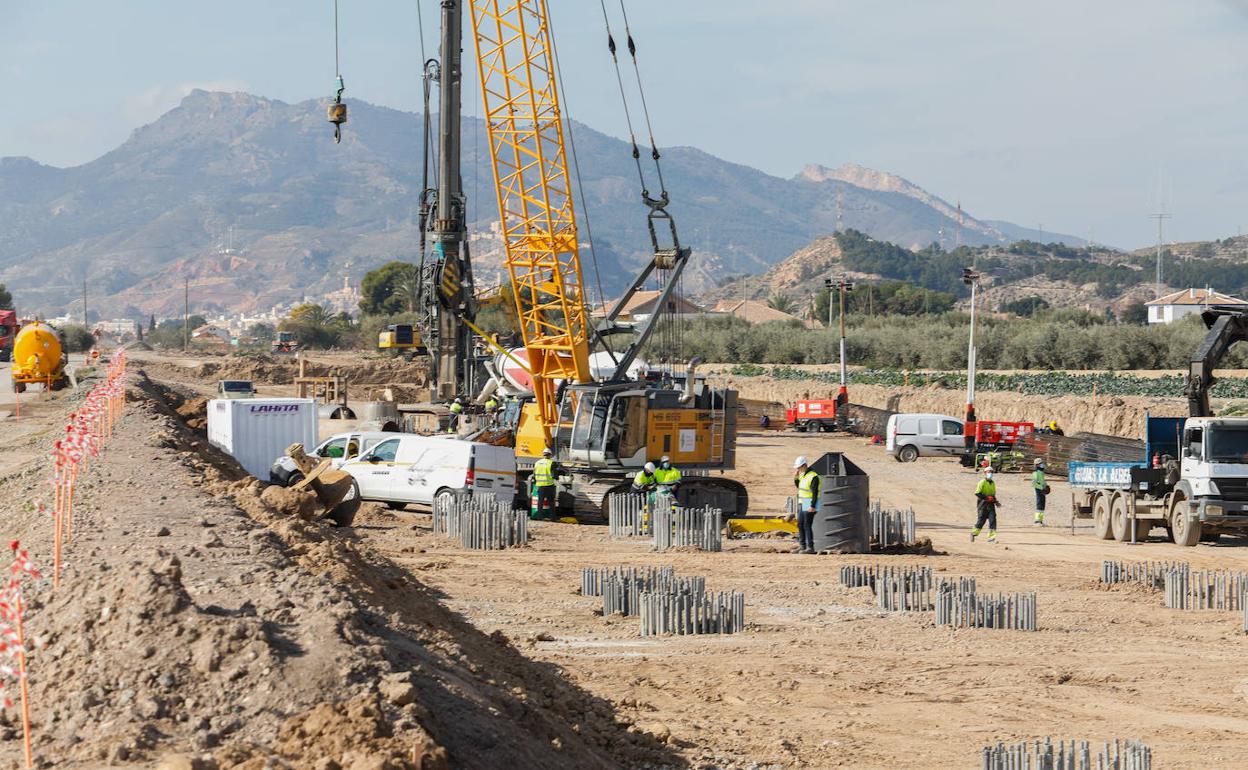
248,203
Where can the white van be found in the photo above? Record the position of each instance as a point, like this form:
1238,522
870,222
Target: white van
911,435
415,469
339,448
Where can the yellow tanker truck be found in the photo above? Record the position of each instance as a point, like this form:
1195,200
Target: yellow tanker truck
38,358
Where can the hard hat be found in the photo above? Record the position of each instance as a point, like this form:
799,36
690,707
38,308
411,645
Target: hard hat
546,452
649,467
665,459
1039,461
800,461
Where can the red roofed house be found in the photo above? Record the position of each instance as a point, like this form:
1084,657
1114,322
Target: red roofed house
642,305
1180,304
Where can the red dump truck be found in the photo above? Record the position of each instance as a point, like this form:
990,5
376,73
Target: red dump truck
8,330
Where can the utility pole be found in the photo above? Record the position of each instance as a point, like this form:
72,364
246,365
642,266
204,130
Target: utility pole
1160,216
957,244
970,277
186,313
85,323
842,395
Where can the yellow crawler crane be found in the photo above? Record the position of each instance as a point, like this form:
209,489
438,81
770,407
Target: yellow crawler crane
601,431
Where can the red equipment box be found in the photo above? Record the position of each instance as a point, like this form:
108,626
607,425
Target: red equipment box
811,411
1001,434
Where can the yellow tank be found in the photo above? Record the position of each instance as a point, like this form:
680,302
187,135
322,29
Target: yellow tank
38,357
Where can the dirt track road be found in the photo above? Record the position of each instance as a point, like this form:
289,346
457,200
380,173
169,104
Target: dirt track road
822,679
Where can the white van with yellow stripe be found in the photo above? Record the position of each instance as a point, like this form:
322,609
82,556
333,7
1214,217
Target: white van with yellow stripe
416,469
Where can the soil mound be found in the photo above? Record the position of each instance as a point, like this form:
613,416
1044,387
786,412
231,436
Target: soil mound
205,622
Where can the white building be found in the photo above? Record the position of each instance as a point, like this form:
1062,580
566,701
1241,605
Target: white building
1180,304
118,327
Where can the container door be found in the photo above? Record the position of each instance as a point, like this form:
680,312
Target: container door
494,471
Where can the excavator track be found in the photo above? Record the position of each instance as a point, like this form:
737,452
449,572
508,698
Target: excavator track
592,502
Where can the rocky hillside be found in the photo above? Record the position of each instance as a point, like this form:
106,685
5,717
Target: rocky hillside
250,201
1087,277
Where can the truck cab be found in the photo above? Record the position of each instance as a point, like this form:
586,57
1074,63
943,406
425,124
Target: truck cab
1214,470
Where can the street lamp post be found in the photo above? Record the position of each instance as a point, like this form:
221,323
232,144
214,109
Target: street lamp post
971,278
843,285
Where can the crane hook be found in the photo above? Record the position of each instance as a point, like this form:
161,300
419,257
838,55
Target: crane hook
338,112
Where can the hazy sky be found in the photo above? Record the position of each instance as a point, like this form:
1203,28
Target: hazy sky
1083,117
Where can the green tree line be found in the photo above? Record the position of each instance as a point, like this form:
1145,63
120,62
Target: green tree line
1052,339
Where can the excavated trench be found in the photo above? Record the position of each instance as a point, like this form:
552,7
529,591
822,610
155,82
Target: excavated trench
205,615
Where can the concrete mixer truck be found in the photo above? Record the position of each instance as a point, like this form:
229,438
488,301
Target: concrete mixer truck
38,358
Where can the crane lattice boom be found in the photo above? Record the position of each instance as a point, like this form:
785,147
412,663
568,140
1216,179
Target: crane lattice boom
525,134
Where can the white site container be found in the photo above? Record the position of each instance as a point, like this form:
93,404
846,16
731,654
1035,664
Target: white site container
255,431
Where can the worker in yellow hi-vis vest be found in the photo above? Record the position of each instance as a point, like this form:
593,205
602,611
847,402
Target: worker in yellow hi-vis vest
986,505
544,487
807,483
667,477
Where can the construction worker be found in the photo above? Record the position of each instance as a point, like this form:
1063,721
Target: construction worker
986,506
491,404
1041,488
644,481
667,477
807,483
457,408
544,486
1051,429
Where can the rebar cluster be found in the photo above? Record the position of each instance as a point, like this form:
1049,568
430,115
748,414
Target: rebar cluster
890,527
480,522
1047,755
1147,573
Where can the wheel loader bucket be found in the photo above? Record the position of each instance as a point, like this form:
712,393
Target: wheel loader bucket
334,489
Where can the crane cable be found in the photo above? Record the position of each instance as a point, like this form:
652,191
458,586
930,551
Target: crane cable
654,148
576,164
619,78
671,333
337,110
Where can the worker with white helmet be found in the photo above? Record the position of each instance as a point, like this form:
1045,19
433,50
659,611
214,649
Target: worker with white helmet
986,506
807,483
667,476
1041,487
644,481
544,486
457,409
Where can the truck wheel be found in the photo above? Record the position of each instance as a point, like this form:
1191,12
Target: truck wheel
908,453
1184,531
1100,517
1118,519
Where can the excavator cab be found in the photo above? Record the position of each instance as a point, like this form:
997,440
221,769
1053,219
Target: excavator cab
609,428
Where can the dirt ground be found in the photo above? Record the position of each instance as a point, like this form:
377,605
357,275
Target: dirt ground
823,679
819,679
